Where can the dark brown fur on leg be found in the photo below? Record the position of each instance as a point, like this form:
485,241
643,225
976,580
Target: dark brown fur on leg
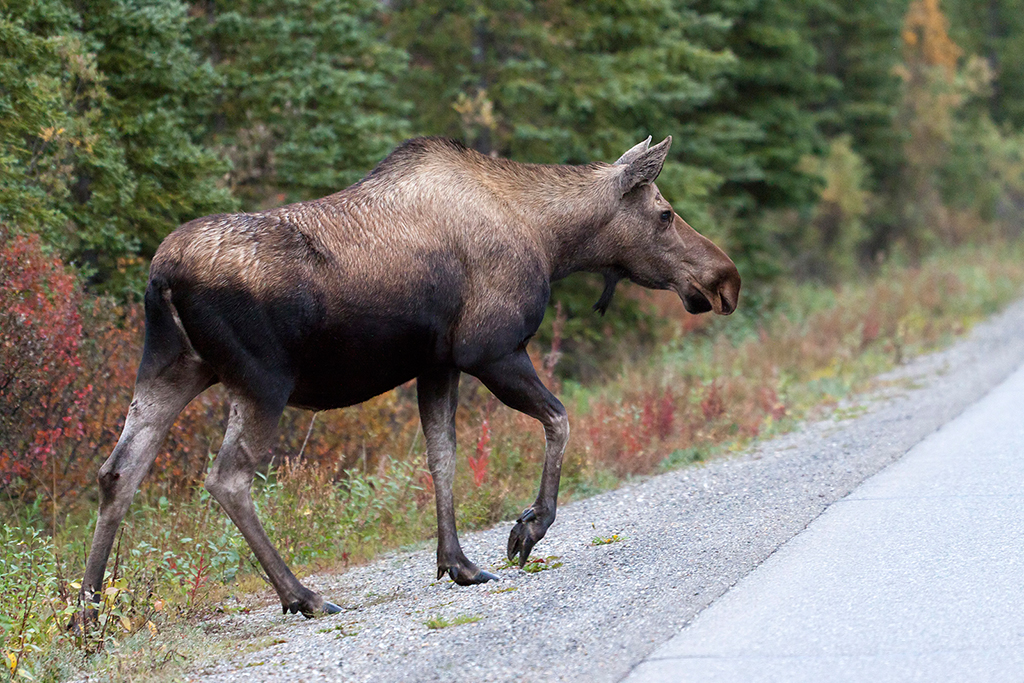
438,393
514,381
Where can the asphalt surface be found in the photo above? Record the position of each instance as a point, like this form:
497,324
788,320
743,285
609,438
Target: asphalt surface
690,535
914,576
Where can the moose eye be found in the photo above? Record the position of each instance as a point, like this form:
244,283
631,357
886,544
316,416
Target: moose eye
666,216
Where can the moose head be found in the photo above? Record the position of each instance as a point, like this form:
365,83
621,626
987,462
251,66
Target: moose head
647,242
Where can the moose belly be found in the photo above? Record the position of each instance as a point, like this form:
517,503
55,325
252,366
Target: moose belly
373,353
328,358
350,371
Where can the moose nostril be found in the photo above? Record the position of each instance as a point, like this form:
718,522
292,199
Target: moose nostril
727,301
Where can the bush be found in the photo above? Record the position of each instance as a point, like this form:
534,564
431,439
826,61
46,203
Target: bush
40,338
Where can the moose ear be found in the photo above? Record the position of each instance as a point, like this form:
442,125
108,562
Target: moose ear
644,169
634,152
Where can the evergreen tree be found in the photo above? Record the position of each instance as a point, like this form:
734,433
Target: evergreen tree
309,102
994,29
97,146
762,121
154,83
563,81
858,47
45,78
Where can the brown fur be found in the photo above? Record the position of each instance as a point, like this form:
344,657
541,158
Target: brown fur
438,262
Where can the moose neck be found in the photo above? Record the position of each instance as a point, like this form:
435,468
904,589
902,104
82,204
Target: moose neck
565,208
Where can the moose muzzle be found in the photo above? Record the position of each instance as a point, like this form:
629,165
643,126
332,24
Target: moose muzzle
710,279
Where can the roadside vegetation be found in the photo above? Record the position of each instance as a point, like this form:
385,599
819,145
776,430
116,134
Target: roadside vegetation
867,177
712,387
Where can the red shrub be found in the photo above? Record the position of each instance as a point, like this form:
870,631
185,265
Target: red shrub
483,454
666,415
40,334
872,328
771,404
712,404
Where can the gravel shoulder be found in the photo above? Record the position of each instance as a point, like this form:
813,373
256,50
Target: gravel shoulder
689,535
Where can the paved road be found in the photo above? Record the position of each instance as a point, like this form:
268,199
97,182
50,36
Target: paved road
917,575
690,536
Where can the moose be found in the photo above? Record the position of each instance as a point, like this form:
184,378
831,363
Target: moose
438,262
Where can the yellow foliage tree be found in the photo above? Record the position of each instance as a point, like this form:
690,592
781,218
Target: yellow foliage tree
931,96
926,38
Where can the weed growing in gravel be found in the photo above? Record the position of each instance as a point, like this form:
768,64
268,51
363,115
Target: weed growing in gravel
439,622
533,565
614,538
541,564
343,630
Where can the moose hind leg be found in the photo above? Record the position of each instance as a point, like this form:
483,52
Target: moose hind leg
252,426
438,395
514,381
158,398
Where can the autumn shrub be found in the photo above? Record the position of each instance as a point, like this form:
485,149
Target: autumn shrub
41,397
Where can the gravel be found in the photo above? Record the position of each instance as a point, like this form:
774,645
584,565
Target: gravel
688,536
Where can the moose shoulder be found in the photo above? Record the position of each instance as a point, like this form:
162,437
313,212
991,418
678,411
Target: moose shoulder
439,262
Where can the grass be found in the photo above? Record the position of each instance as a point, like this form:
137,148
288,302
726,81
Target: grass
714,385
345,630
533,565
541,564
435,623
614,538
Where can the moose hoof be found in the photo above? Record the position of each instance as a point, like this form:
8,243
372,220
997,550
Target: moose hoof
466,574
483,577
529,529
311,607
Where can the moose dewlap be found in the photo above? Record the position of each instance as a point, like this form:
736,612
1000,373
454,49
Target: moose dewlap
438,262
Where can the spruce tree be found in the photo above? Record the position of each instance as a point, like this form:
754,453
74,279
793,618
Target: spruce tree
309,102
99,150
154,83
994,29
858,46
766,116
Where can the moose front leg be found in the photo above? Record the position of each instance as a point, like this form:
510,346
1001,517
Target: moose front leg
514,381
438,393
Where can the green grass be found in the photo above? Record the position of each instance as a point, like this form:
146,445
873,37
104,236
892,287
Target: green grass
541,564
436,623
614,538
